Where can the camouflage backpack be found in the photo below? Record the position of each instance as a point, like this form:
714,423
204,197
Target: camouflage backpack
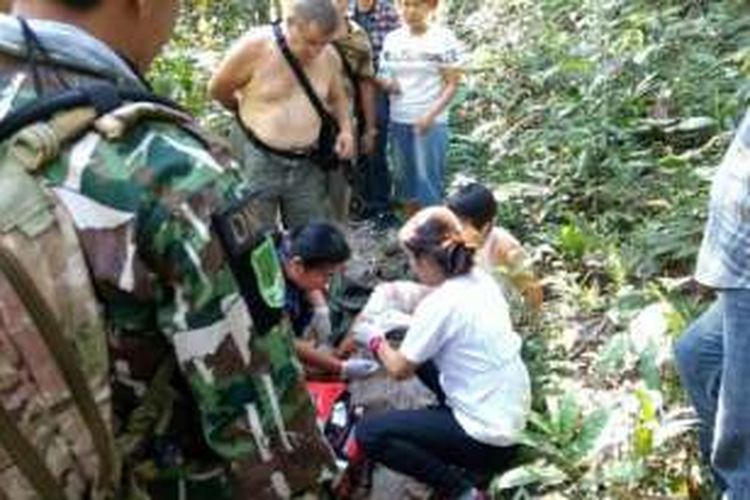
56,437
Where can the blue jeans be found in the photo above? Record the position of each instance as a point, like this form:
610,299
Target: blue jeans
713,360
377,178
420,162
429,444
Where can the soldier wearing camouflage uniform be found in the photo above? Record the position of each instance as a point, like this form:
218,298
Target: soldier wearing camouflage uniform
134,274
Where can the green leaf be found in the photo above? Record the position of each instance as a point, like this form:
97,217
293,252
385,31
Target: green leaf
648,369
592,427
567,418
572,241
643,440
626,471
647,411
672,161
643,434
528,474
538,420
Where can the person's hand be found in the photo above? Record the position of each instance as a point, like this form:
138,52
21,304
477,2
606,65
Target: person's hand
346,348
423,124
368,140
321,322
344,145
390,86
358,368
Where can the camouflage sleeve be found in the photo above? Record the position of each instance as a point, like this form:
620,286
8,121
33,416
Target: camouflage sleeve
248,387
198,308
362,48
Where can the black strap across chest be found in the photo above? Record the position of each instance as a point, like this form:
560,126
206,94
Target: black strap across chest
300,74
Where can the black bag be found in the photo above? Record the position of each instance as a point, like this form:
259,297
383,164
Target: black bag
325,154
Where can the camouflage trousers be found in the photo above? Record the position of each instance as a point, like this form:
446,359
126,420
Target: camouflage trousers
294,188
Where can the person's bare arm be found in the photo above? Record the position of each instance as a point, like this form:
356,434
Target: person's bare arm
451,79
236,69
387,85
394,362
367,101
312,357
339,102
507,251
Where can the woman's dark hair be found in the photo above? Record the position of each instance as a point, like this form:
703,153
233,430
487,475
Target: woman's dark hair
436,232
475,203
319,244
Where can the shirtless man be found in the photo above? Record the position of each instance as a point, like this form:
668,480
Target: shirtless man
280,125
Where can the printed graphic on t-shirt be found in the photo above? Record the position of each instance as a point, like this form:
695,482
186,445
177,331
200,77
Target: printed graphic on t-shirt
415,63
446,58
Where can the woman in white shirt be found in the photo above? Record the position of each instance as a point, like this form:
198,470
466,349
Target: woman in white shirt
461,345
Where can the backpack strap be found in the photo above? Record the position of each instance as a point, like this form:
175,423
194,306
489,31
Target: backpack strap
25,456
36,55
300,74
39,130
102,97
66,360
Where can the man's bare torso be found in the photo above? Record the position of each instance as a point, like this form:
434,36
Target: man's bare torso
273,104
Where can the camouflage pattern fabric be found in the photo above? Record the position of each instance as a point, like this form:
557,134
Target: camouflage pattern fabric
346,181
141,208
31,386
355,47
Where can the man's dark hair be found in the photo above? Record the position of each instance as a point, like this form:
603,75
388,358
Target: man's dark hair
475,203
321,12
80,4
319,244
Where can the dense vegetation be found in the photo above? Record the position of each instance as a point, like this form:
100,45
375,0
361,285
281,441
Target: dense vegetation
599,122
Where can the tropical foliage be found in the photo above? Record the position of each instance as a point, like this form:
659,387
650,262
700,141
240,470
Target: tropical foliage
599,123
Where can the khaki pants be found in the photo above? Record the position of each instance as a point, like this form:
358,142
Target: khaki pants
293,188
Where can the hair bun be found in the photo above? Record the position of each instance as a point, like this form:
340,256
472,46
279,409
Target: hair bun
437,232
